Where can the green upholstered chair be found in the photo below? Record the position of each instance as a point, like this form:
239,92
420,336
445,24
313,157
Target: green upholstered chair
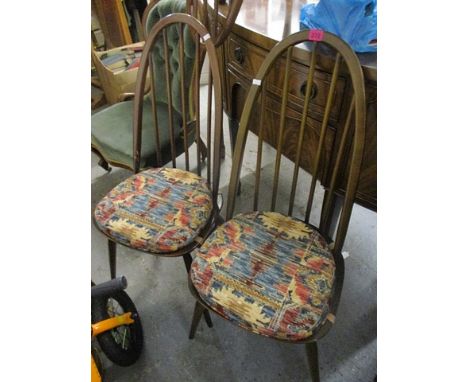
112,128
267,269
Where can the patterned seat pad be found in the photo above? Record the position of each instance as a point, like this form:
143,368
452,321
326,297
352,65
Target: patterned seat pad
158,210
268,273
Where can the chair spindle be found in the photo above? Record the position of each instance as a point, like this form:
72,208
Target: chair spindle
182,93
197,100
327,204
214,28
310,82
208,125
323,133
259,149
155,115
284,101
169,98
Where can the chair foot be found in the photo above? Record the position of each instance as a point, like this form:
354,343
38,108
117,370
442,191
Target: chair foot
312,358
112,258
207,316
104,165
197,313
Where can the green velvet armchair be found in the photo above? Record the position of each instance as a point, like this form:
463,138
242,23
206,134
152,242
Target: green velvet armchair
112,128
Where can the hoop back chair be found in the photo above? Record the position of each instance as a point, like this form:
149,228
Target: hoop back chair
199,9
211,19
168,211
268,272
208,12
111,128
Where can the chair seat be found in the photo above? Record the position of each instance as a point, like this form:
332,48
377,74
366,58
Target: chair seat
112,133
158,210
268,273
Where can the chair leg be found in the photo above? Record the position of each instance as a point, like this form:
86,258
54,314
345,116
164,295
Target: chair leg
112,261
197,313
187,261
206,314
203,150
312,357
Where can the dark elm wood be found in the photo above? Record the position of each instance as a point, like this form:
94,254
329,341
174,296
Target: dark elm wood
112,258
197,31
206,313
211,20
258,27
352,159
343,151
197,313
187,261
312,358
148,8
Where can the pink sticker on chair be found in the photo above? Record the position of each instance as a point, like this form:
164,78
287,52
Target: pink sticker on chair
315,35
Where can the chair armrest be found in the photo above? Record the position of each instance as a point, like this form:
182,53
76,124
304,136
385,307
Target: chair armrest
127,96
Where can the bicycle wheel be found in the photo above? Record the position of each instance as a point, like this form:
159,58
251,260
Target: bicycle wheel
97,362
122,345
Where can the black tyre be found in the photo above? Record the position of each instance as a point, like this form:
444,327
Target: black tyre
123,344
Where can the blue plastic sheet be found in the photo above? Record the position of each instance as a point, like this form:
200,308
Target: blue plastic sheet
355,21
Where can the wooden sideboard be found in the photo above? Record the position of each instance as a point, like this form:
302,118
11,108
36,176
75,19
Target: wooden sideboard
259,26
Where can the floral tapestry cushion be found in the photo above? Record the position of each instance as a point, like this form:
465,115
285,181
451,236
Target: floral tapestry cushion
158,210
268,273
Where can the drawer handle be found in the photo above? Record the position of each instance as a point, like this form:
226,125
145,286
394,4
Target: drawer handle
239,55
313,92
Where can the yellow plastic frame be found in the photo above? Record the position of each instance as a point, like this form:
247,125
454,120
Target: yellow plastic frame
102,327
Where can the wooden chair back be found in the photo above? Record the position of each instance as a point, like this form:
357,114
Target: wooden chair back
345,163
144,18
200,10
183,28
208,11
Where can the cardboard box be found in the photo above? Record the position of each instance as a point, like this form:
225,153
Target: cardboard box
115,82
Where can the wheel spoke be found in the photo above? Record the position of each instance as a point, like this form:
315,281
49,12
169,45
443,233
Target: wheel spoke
124,345
120,334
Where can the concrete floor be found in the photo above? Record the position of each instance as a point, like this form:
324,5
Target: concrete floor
158,287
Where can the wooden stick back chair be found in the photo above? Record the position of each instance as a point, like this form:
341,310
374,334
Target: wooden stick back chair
200,10
168,211
210,17
268,272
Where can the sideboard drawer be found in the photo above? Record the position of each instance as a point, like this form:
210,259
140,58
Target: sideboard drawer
244,57
297,88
